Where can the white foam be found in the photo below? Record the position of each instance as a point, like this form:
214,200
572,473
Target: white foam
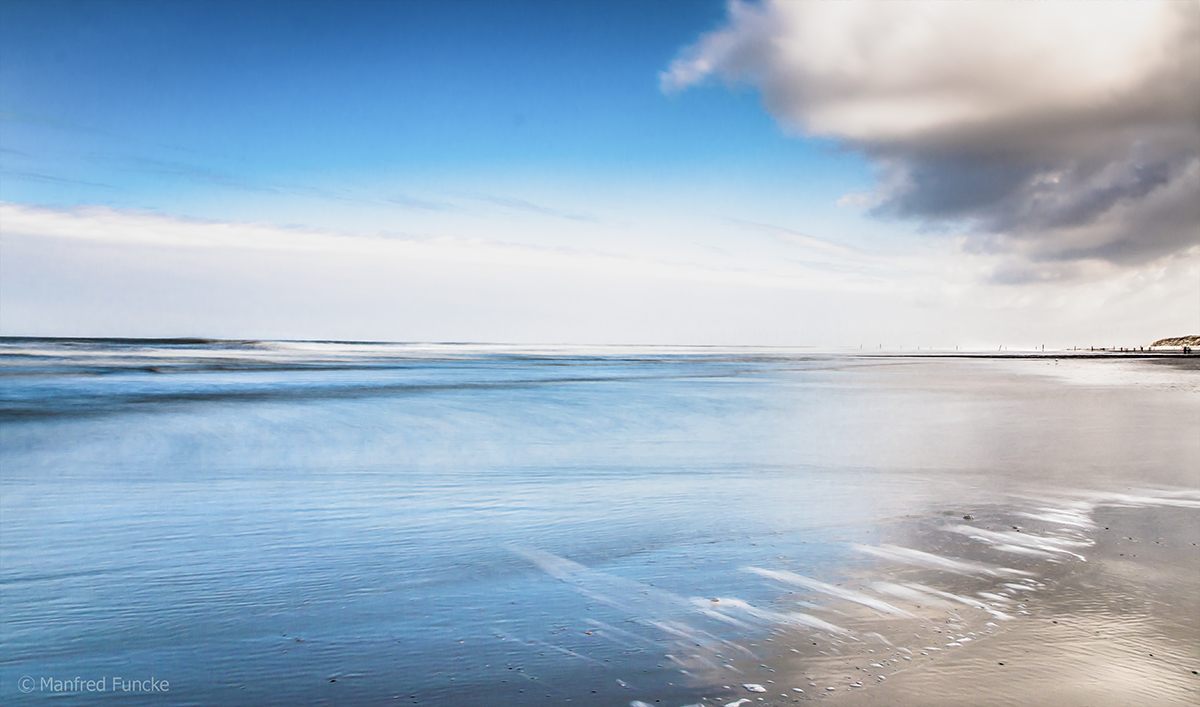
856,597
908,593
974,603
1025,543
949,564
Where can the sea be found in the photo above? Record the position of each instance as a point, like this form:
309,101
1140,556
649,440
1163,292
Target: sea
198,522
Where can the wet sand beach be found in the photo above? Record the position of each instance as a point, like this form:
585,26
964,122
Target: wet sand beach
290,523
1113,624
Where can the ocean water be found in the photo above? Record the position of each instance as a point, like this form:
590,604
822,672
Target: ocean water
262,523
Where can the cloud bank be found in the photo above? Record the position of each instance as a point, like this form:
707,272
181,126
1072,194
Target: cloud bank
113,272
1054,132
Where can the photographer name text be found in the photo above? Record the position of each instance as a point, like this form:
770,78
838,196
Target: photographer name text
29,684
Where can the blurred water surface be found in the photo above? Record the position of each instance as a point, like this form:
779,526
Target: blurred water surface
305,523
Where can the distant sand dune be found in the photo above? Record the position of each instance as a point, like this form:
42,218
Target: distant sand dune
1193,340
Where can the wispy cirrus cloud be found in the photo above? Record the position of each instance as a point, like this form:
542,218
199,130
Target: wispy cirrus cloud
409,202
131,227
529,206
1054,132
53,179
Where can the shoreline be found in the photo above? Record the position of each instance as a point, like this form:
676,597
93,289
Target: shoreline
262,346
1116,627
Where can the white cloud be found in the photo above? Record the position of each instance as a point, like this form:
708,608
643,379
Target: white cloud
1068,130
880,71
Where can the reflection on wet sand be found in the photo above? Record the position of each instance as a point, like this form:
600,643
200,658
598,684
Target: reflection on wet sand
1041,602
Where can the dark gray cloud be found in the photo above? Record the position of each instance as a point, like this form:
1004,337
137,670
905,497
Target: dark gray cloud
1053,131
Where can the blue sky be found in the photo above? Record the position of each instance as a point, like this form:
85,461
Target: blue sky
150,105
553,127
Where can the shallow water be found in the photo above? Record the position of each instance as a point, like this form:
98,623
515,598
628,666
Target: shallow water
285,523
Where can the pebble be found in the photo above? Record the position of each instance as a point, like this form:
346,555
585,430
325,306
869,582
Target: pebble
739,703
754,687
